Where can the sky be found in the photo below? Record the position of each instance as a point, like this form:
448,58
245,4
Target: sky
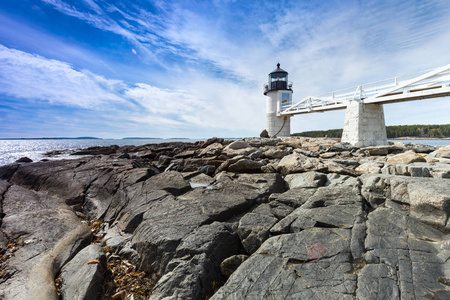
196,69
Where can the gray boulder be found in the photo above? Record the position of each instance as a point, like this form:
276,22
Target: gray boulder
91,182
370,167
335,216
334,167
443,152
293,198
298,163
419,169
195,268
256,155
172,182
238,148
375,190
24,160
211,141
262,141
201,180
97,150
212,150
264,134
306,180
254,227
382,150
82,277
229,265
426,198
401,264
139,195
302,265
246,166
133,213
338,207
340,147
338,179
169,220
163,226
265,184
222,201
327,155
194,164
405,158
274,153
423,148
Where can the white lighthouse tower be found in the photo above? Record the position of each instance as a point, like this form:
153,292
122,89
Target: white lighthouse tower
279,94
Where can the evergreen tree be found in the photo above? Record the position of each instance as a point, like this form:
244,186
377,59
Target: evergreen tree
432,131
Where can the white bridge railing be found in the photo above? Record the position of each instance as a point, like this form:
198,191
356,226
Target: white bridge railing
421,85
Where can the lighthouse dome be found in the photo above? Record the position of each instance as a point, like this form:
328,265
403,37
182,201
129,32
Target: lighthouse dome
278,80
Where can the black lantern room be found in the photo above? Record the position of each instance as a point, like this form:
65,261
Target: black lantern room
278,80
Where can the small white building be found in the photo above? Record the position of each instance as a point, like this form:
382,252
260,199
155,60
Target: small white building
279,94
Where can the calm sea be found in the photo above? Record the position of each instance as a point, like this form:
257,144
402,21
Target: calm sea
425,142
12,150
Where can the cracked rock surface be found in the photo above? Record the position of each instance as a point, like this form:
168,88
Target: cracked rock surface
293,218
314,263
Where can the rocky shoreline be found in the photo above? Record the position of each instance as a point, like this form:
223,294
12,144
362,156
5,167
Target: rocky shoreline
290,218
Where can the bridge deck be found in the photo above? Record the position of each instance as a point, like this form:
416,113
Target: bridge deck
422,85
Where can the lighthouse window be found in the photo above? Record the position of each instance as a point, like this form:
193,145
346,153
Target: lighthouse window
278,81
285,101
278,77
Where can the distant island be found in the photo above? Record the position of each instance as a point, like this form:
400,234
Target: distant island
416,131
140,138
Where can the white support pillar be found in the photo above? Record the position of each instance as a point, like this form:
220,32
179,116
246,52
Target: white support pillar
364,125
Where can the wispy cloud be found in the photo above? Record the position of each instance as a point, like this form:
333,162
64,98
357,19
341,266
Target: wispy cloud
51,82
158,100
245,43
30,76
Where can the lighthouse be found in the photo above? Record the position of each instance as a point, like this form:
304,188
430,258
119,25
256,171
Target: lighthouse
279,95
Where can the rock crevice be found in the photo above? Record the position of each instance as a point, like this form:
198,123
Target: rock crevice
292,218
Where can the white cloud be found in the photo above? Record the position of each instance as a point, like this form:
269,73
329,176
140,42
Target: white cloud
28,76
167,101
150,120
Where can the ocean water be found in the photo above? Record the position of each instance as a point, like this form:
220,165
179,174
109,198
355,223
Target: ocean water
12,150
425,142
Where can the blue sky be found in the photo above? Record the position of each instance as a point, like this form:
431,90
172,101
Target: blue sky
195,69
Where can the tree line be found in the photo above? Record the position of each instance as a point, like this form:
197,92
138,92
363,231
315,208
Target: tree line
431,131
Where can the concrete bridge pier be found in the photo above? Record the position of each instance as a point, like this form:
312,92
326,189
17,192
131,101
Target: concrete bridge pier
364,125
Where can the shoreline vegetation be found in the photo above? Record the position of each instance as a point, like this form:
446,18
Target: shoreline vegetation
404,132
